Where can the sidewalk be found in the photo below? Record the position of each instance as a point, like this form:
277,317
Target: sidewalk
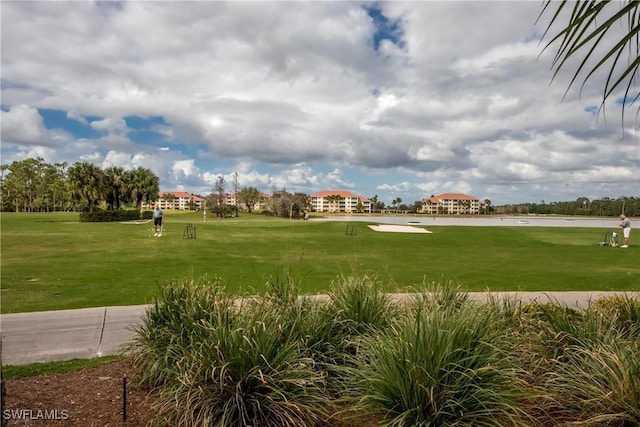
66,334
92,332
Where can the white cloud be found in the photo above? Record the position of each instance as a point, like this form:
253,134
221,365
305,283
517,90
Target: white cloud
294,95
117,159
23,125
394,188
77,117
110,125
185,168
498,59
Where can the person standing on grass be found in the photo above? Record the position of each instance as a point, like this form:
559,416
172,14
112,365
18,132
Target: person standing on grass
625,224
158,220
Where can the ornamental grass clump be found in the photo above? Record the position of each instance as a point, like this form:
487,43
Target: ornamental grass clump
252,374
623,311
442,367
172,325
606,321
442,294
359,305
228,365
595,375
356,307
598,385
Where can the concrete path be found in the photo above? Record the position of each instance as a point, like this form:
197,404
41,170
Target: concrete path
92,332
66,334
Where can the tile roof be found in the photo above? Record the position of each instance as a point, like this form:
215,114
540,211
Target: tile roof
341,193
451,196
182,194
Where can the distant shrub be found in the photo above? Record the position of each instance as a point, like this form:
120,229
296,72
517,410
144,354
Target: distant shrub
146,215
110,216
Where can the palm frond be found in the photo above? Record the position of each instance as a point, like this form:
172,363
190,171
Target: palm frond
584,34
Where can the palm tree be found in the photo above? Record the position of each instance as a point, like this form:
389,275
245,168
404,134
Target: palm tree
169,198
86,181
487,204
396,202
115,186
333,199
142,184
150,186
60,186
374,203
585,33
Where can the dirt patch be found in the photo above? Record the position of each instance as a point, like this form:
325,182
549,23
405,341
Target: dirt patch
92,397
88,397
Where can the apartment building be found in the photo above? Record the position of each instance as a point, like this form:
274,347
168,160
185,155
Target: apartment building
451,203
261,204
339,201
178,200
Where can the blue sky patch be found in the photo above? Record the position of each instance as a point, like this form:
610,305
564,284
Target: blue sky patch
57,119
142,129
142,123
627,101
592,109
386,29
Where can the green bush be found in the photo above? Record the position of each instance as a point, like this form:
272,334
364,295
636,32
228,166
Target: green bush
109,216
587,361
442,367
282,359
171,326
438,295
623,312
359,306
598,384
213,362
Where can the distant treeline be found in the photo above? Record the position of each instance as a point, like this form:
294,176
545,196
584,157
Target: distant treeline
33,185
630,206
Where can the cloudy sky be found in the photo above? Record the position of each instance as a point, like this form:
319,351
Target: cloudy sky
395,99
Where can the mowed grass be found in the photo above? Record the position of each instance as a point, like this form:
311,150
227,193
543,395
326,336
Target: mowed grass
52,261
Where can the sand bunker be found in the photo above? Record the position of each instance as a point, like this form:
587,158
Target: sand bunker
398,228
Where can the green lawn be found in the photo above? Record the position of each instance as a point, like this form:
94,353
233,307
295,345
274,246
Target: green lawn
52,261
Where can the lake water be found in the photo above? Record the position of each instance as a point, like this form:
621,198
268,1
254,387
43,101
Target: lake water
480,221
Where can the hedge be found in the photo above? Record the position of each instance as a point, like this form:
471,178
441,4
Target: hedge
109,216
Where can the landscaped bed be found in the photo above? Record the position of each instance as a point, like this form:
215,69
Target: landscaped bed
355,359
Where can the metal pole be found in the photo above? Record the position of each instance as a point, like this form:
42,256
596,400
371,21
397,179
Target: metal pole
124,399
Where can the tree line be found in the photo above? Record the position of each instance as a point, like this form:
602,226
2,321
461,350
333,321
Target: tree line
281,202
33,185
605,206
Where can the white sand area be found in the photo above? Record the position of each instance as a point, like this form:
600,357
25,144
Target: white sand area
398,228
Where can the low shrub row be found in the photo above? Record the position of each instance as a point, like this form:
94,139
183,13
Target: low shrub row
115,215
358,357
